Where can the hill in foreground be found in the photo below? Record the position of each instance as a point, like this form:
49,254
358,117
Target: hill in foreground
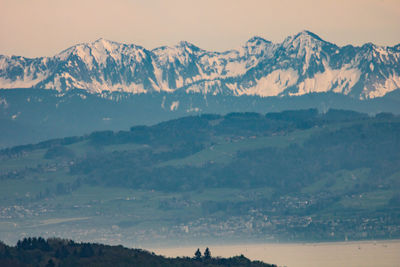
59,252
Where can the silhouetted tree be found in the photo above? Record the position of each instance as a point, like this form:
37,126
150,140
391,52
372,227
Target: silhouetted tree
207,254
86,251
62,252
50,263
100,252
197,255
33,243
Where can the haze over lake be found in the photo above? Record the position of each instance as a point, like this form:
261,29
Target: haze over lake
364,253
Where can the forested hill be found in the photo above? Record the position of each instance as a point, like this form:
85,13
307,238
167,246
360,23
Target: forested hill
59,252
293,175
283,150
35,115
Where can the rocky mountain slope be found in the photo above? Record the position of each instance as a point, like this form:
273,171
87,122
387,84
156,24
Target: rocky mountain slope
301,64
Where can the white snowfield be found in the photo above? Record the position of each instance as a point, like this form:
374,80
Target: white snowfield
301,64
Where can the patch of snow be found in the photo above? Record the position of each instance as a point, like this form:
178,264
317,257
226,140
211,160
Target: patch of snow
4,62
163,102
154,85
308,54
84,53
274,83
221,65
26,82
232,86
196,109
162,84
3,102
205,87
179,81
174,106
235,68
339,80
392,83
95,86
166,55
15,116
371,66
382,51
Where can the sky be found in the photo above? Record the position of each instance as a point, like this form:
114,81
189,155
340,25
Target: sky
34,28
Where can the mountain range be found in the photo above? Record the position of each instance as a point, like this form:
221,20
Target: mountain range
301,64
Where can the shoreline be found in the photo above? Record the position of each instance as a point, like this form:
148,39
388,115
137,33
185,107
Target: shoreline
308,243
366,253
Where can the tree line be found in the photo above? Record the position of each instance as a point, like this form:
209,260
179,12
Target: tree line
53,252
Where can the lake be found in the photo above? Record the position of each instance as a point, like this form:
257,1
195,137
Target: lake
364,253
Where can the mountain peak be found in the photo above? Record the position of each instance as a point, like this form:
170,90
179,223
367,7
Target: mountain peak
187,45
304,39
369,45
257,40
308,34
256,46
181,46
103,41
100,43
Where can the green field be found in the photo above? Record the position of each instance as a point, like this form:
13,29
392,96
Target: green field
225,151
291,178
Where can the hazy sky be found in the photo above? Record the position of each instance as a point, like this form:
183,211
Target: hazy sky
45,27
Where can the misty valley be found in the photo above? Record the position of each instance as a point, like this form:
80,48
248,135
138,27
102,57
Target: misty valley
290,176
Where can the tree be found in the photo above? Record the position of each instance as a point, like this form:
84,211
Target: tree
207,254
86,251
62,252
197,255
50,263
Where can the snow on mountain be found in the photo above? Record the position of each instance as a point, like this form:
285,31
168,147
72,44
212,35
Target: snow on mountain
301,64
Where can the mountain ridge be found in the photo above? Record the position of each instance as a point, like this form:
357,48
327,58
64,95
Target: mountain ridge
303,63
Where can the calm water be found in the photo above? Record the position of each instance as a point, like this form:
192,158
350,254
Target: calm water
363,254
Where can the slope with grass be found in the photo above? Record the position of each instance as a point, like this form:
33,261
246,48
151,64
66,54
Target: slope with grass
290,176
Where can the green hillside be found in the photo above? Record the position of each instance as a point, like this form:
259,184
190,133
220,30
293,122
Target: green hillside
289,176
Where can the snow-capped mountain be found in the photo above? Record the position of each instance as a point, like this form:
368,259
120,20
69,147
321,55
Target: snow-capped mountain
301,64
